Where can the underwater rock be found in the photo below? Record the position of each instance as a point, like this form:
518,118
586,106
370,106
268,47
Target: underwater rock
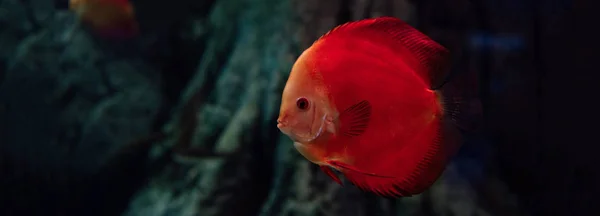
68,107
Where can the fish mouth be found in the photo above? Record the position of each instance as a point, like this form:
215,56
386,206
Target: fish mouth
288,132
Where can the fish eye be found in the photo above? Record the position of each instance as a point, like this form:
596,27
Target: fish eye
302,103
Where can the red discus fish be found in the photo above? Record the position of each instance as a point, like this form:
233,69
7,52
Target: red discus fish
112,18
360,101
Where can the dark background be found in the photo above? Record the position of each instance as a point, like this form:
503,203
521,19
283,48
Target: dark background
180,121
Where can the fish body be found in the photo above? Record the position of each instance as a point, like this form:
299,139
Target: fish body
360,101
107,17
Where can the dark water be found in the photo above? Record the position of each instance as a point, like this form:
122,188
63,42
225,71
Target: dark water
180,119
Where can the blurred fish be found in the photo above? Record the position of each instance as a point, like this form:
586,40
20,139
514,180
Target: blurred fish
109,18
360,101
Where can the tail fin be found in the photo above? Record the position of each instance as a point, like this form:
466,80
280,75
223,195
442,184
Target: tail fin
461,103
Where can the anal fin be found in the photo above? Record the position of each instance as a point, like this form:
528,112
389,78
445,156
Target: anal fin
331,174
354,169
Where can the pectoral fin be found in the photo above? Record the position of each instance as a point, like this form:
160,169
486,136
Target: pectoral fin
354,120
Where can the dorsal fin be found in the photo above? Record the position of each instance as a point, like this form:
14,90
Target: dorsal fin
428,58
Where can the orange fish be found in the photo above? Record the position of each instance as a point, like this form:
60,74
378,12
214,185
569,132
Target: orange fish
106,17
360,100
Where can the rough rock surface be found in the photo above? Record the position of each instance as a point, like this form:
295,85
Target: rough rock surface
204,85
67,106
